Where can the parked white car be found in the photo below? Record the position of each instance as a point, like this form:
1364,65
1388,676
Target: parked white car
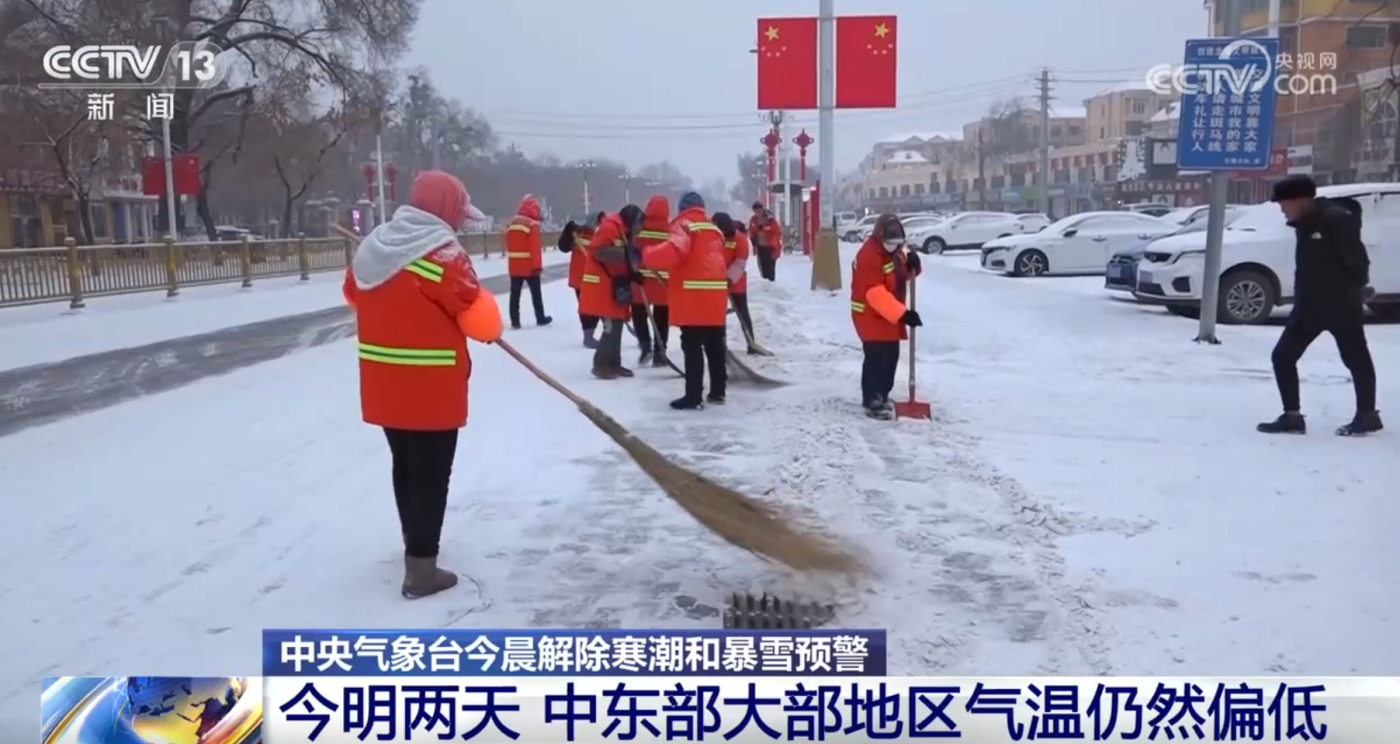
1257,264
910,222
968,230
1033,223
1078,244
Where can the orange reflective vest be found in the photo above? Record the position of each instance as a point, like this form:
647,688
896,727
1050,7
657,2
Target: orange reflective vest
605,257
698,284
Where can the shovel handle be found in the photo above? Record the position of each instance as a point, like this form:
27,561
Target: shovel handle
913,305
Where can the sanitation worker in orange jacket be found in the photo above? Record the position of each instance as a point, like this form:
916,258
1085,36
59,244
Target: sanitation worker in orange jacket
880,277
767,237
737,243
525,259
653,300
695,257
415,297
576,235
610,271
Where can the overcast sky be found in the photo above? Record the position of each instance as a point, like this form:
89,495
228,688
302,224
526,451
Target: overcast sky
641,81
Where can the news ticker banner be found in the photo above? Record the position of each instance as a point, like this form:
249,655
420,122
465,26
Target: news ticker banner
537,710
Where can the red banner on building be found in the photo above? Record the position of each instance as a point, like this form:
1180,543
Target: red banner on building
866,57
787,63
186,172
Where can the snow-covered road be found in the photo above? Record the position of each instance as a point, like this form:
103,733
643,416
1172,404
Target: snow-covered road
1090,498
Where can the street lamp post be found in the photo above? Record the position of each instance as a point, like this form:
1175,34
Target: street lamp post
168,31
586,166
626,179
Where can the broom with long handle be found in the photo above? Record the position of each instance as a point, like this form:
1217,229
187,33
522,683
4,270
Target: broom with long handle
743,522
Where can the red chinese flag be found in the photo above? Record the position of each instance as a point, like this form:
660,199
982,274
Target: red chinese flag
865,62
787,63
153,177
186,170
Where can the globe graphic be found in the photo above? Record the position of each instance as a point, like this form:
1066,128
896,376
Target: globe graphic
179,710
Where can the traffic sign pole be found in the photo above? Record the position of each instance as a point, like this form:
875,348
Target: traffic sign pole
1226,125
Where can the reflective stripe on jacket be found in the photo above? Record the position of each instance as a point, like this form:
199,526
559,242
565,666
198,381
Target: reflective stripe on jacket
524,254
699,286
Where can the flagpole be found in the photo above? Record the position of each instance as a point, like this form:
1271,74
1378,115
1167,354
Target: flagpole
826,261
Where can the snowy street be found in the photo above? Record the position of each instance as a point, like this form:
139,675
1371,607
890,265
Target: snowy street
1090,498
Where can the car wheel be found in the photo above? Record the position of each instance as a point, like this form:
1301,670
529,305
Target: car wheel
1185,311
1031,263
1246,298
935,245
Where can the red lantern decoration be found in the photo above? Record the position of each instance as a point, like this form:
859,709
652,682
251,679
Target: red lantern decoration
770,143
368,170
391,177
803,141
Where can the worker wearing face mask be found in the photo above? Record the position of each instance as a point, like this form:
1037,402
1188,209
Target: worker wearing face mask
880,277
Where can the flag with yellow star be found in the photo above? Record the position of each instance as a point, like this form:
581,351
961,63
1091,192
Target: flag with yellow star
866,62
787,63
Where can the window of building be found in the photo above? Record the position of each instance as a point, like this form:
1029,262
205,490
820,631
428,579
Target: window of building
1056,132
98,214
918,189
934,186
1139,107
904,190
1366,37
884,192
1075,130
1035,132
872,194
1110,173
1103,133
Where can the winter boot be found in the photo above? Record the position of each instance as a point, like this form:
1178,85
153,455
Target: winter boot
605,373
1363,424
546,320
1288,423
645,358
687,404
588,341
515,325
623,371
658,357
422,577
715,399
880,410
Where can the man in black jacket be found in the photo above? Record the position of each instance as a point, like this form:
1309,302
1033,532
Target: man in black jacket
1330,288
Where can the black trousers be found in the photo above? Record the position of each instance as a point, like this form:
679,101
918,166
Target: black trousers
878,369
703,346
608,355
660,315
767,265
740,301
536,297
1349,331
589,322
422,474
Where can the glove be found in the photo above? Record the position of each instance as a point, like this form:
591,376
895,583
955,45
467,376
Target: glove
911,318
912,260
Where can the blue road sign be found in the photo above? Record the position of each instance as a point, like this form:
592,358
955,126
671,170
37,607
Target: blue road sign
1228,95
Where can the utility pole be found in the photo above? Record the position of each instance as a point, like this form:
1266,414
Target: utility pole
1043,182
585,167
981,168
826,261
437,145
626,179
1215,222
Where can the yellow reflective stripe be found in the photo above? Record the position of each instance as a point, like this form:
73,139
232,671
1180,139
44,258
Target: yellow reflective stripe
655,274
656,234
889,268
729,244
646,272
664,274
518,228
592,278
518,255
704,284
858,307
410,357
426,269
703,226
619,243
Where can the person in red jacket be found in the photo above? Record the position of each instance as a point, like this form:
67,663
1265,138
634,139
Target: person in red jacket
766,235
610,270
695,257
525,259
880,276
654,298
576,235
415,297
736,243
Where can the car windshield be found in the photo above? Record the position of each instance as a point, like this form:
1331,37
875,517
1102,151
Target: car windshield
1179,216
1260,218
1058,228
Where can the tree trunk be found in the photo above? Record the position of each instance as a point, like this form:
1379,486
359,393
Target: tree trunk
85,217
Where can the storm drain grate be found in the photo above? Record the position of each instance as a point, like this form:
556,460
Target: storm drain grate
746,611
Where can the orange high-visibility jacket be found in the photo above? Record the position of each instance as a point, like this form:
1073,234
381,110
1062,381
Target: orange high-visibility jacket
656,228
738,252
879,280
605,258
524,254
695,257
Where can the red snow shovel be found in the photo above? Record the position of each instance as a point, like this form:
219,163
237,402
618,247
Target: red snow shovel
912,408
